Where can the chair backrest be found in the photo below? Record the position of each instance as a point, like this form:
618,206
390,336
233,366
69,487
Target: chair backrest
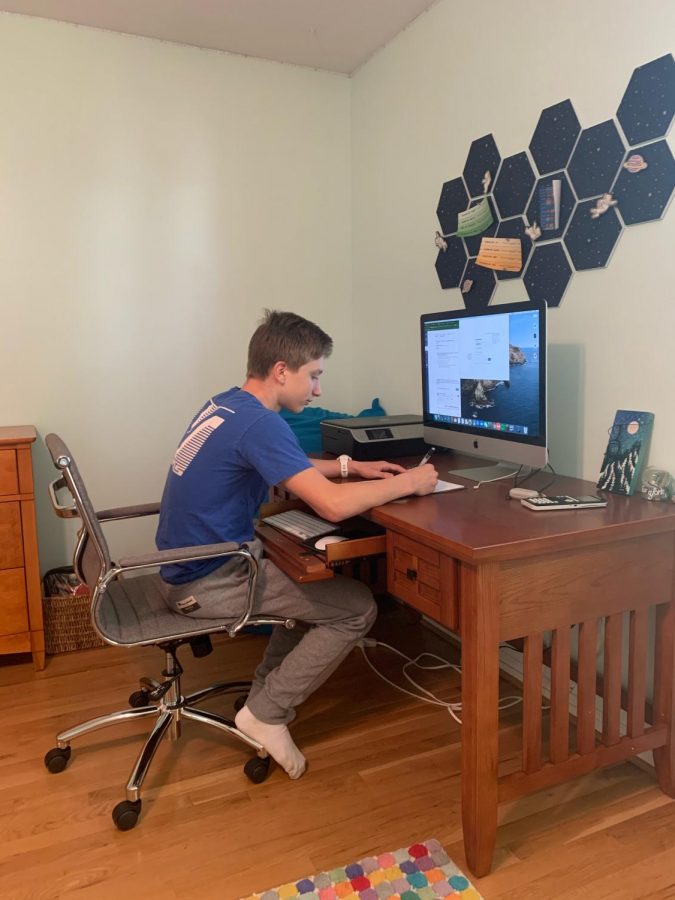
92,556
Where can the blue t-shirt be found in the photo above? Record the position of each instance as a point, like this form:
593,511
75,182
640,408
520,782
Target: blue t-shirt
234,450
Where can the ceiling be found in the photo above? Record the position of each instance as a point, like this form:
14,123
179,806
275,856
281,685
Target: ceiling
335,35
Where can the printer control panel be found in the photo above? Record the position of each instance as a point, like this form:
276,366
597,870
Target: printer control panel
379,434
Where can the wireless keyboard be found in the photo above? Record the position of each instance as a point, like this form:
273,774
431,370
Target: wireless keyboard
300,524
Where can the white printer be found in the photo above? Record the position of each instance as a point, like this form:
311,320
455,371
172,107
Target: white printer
374,437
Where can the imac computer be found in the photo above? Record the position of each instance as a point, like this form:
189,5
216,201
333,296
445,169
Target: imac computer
484,385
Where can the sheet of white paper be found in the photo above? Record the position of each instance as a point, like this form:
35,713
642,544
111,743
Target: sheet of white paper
447,486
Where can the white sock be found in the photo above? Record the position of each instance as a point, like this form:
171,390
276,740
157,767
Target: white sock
276,739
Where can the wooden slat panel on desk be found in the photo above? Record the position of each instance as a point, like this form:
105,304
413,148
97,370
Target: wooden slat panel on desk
586,681
532,697
611,706
560,695
637,672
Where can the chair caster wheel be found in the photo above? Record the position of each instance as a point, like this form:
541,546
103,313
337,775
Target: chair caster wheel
139,699
57,759
257,769
240,702
125,814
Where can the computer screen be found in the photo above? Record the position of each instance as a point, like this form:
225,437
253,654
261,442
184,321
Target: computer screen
484,383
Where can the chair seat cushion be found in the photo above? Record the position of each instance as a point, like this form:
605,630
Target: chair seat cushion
133,611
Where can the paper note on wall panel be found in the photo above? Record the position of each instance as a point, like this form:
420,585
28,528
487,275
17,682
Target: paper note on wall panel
501,254
474,220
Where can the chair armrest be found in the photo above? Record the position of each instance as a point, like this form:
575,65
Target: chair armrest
128,512
181,554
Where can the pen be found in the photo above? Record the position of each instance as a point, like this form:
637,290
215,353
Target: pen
427,456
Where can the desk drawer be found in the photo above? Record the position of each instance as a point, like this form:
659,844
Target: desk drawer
301,563
14,618
424,578
11,536
9,480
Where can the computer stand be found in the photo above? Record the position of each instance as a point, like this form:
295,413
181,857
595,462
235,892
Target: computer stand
495,472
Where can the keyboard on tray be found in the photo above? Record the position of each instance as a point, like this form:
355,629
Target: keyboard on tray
300,524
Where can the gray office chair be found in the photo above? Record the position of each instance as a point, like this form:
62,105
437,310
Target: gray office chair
131,612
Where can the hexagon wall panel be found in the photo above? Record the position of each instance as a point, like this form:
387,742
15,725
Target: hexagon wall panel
643,195
648,106
450,263
548,274
590,241
513,185
453,200
484,284
596,160
515,228
554,137
483,157
567,201
635,172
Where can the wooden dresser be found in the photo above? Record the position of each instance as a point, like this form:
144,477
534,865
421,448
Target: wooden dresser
21,628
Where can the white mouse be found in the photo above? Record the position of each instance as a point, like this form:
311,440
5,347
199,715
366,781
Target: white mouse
517,493
320,544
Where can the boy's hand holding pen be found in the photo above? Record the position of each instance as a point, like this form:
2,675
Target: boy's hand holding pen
427,456
424,481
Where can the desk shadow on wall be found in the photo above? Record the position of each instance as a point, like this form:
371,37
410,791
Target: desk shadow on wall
566,368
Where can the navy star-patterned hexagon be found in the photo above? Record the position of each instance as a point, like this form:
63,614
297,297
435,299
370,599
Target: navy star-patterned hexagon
554,137
567,201
450,263
596,160
513,185
590,241
483,157
473,243
648,105
454,199
548,274
645,184
515,228
483,287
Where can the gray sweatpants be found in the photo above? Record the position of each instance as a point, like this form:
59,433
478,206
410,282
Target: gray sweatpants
332,616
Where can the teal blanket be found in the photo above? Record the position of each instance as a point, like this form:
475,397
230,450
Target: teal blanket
306,425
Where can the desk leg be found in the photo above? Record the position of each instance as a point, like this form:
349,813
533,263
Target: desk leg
664,695
479,612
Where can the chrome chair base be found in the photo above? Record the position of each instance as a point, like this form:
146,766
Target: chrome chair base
169,712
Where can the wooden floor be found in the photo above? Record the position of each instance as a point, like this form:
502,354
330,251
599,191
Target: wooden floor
384,772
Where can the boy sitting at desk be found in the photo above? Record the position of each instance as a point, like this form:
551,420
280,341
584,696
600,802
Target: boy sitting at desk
234,450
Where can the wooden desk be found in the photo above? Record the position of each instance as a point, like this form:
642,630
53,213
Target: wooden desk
493,570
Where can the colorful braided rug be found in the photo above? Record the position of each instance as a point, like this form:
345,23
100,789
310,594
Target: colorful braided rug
420,872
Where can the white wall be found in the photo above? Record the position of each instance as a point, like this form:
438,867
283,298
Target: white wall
154,199
465,70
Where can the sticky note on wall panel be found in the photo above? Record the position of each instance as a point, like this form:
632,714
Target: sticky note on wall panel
502,254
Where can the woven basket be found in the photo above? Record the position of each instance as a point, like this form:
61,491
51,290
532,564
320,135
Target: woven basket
68,625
